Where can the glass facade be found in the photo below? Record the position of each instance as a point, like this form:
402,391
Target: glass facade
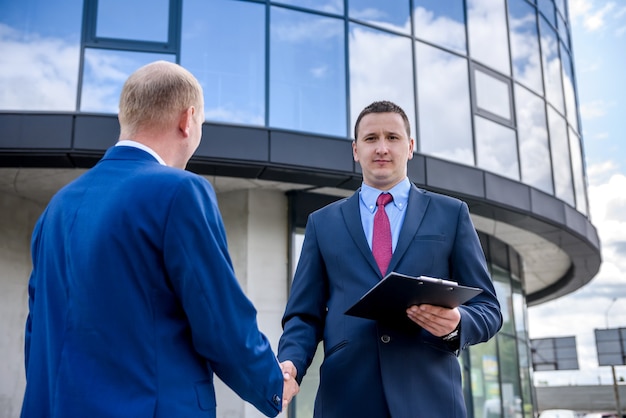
310,66
485,83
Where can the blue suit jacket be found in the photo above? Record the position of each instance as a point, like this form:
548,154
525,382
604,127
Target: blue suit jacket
370,368
134,303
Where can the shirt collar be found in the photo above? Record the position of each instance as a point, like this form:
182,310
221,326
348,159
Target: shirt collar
400,193
135,144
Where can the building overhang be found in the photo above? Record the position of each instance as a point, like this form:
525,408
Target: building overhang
560,247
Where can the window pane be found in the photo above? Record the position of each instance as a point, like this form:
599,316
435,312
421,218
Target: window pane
492,94
502,285
227,59
569,90
443,96
525,45
328,6
390,14
485,379
496,148
105,73
441,22
563,31
40,44
510,375
578,172
379,69
144,20
533,140
546,7
307,73
559,148
488,35
551,65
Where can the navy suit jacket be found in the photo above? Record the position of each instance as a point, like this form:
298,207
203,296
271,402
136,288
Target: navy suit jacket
375,369
134,303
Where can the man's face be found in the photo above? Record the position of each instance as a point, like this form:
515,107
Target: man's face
383,148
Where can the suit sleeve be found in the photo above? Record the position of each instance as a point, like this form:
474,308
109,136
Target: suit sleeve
222,319
305,314
481,318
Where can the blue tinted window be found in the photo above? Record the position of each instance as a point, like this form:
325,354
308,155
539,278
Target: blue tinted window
307,73
546,7
569,90
105,73
496,148
443,96
145,20
379,69
441,22
559,147
391,14
532,130
525,45
493,94
40,45
578,172
328,6
563,31
224,47
551,65
488,34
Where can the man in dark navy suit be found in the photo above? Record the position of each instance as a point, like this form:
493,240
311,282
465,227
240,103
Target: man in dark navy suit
406,368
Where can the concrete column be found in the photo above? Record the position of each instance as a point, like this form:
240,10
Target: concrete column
17,218
257,232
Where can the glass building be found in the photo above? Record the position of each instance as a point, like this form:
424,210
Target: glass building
489,87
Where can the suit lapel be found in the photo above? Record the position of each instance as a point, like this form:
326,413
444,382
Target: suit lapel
349,208
415,211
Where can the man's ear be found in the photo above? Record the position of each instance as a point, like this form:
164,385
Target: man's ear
184,121
354,154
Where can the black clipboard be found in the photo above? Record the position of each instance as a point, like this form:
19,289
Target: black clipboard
390,297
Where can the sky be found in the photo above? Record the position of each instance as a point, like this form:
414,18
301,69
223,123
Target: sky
599,48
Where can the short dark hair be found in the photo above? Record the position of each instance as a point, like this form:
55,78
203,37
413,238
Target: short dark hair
383,106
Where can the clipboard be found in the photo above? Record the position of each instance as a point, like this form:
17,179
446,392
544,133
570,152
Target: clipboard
390,297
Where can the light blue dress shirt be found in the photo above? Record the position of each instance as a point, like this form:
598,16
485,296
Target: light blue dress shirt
395,210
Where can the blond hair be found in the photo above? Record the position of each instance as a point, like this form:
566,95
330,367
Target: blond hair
155,95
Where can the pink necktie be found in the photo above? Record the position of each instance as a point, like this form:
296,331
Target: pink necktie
381,238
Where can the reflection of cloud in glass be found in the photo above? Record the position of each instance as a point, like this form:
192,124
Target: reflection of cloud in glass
36,72
560,157
105,74
533,140
307,72
578,172
328,6
444,105
380,70
488,35
393,15
525,45
568,90
440,30
551,65
496,148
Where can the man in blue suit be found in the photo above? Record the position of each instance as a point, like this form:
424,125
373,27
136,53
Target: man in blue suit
133,300
405,368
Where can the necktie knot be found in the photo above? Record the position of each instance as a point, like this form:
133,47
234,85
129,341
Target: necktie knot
384,199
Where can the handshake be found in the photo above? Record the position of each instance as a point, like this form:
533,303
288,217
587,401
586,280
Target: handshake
290,387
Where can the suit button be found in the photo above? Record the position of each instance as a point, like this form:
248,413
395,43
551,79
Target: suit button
276,400
385,338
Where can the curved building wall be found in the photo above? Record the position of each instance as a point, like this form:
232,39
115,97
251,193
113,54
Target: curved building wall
488,85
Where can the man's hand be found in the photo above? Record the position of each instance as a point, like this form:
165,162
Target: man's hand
291,387
434,319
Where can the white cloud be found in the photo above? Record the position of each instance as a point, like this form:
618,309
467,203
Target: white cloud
594,109
587,11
